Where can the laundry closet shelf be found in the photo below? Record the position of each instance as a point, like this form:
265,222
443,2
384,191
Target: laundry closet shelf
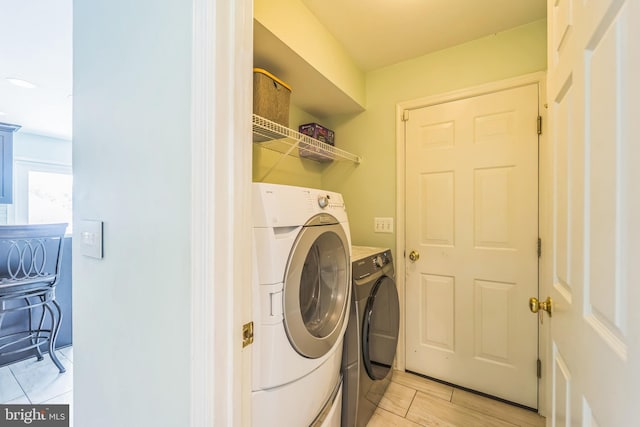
274,136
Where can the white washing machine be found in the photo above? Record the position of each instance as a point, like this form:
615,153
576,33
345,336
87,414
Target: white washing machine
301,297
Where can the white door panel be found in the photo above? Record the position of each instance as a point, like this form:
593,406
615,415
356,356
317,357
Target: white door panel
594,331
472,214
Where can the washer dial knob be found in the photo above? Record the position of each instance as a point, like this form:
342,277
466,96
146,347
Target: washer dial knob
323,201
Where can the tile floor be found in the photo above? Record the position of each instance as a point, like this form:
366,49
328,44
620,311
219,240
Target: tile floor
33,382
412,401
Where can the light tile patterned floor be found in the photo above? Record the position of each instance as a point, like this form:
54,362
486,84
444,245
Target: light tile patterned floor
412,401
38,382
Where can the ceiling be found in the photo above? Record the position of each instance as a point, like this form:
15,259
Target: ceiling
377,33
36,46
37,37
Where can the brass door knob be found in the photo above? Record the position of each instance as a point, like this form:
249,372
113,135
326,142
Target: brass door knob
546,305
414,256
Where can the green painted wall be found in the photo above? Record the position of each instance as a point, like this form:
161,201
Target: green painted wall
370,188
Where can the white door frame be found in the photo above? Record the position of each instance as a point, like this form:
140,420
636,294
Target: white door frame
543,195
222,57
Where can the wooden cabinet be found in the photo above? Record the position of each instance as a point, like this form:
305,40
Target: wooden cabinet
6,162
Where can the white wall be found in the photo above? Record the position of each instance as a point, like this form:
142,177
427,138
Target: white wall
131,157
161,110
40,148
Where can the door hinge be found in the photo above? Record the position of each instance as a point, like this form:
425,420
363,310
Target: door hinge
539,368
539,125
247,334
405,116
539,247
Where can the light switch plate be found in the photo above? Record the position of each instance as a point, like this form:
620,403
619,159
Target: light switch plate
91,238
383,225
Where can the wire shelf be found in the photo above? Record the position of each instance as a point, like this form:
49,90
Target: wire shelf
274,136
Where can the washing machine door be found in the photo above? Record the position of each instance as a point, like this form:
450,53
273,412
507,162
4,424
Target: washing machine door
380,328
317,287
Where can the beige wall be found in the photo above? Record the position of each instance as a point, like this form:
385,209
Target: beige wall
370,188
293,23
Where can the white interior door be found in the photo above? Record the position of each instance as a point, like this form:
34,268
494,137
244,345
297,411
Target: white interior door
594,106
472,215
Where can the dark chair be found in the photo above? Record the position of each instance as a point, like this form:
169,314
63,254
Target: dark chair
30,261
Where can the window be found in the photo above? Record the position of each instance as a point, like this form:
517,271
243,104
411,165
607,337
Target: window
49,197
43,193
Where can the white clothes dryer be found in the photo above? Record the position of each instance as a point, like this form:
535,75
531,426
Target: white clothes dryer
301,297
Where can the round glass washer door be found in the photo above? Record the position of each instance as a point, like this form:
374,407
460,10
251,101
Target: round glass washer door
317,288
380,328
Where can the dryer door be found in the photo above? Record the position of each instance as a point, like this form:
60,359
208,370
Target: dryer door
317,288
380,328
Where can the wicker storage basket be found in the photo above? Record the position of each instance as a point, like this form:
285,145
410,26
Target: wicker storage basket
270,97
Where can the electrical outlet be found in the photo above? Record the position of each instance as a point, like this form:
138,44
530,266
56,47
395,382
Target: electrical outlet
383,225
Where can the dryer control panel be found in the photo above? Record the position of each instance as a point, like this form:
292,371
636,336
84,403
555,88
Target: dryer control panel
371,264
